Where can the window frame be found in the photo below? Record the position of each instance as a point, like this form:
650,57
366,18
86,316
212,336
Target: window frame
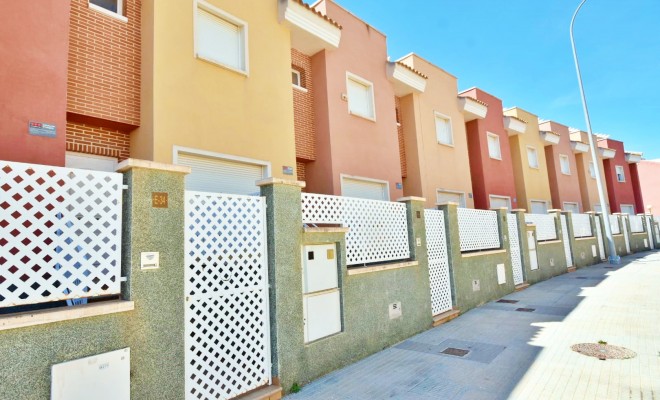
627,205
546,204
499,145
573,203
438,115
592,169
463,201
623,173
119,14
568,164
536,156
371,91
243,34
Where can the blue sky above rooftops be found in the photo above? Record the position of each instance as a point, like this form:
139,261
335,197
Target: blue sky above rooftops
520,51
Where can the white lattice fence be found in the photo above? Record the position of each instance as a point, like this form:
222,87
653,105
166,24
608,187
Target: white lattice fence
436,242
582,225
545,226
614,225
227,330
60,233
378,229
478,229
636,224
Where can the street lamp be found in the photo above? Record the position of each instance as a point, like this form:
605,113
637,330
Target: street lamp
613,258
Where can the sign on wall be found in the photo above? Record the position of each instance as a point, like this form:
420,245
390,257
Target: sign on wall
42,129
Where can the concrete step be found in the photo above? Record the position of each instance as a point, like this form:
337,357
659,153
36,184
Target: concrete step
271,392
446,317
572,269
521,286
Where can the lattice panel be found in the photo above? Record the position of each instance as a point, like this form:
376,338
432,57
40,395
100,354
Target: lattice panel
60,233
614,225
545,226
514,243
567,242
582,225
436,246
636,224
226,286
378,229
478,229
599,234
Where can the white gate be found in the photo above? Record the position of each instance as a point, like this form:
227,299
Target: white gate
227,328
436,243
624,222
599,236
567,242
649,231
514,243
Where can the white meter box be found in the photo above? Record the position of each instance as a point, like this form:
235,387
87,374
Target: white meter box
321,293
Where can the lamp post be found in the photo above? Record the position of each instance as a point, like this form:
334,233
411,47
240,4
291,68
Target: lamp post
613,258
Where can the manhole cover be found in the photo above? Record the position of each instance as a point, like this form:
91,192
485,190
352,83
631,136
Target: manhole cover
523,309
603,351
452,351
507,301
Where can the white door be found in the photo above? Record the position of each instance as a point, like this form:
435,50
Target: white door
88,161
219,175
454,197
500,202
531,245
364,188
539,207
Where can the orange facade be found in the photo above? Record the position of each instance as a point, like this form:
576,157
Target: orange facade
562,169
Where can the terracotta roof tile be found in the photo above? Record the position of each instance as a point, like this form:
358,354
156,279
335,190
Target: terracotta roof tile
473,99
412,69
519,119
320,14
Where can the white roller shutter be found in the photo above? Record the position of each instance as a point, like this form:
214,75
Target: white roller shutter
364,189
539,207
220,175
86,161
445,197
500,202
219,40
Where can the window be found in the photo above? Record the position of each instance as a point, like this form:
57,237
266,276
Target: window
494,150
620,175
627,209
592,169
443,129
364,188
532,157
500,202
564,164
295,78
446,196
570,206
113,8
220,38
539,207
360,97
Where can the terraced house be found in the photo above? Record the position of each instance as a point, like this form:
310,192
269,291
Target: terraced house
621,176
586,170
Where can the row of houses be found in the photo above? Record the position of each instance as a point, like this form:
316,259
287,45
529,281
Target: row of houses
283,89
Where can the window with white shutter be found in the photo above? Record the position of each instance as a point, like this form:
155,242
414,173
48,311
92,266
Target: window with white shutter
564,164
220,38
360,97
539,207
494,150
443,129
620,175
532,157
627,209
571,206
592,170
445,196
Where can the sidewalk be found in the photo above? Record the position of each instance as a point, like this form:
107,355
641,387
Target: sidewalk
526,354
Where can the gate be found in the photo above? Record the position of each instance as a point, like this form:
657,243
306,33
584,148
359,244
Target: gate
649,231
227,327
599,236
624,222
514,242
567,242
436,243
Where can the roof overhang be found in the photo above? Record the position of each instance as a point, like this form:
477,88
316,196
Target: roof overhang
472,108
579,147
311,32
606,153
404,79
550,138
514,126
633,157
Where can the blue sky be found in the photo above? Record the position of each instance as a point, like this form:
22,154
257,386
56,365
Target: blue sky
519,50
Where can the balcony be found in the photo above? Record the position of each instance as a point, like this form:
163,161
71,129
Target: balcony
514,125
579,147
606,153
550,138
311,31
472,108
633,157
405,79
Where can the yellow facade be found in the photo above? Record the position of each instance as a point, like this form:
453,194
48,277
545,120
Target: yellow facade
433,166
588,186
531,183
197,104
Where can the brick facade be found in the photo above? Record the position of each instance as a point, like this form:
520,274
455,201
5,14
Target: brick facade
104,64
399,131
303,108
300,171
89,139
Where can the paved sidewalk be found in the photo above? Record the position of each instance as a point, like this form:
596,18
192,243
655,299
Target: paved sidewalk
526,355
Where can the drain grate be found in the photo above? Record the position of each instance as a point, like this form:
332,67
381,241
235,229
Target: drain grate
452,351
507,301
523,309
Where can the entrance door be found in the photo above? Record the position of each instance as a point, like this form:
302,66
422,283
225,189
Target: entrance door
227,326
436,242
